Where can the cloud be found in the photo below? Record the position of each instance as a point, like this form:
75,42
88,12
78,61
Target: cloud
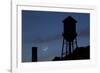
85,33
45,49
39,39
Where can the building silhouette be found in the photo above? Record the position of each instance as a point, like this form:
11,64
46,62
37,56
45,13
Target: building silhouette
34,54
80,53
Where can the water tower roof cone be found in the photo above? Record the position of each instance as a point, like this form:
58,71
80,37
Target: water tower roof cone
69,19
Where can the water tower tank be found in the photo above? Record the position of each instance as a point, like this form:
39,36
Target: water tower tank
69,28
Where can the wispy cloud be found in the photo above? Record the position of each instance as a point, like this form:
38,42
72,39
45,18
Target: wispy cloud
45,49
84,33
46,39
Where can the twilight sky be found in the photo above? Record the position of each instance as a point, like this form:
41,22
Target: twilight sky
44,29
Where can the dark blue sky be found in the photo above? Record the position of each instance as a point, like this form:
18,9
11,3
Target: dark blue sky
44,30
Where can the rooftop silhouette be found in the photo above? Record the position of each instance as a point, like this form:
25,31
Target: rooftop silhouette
78,54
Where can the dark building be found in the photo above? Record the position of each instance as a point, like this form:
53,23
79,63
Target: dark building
34,54
80,53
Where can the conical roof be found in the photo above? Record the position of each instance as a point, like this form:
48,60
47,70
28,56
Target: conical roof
69,19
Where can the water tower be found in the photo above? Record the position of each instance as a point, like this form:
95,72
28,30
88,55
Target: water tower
69,36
